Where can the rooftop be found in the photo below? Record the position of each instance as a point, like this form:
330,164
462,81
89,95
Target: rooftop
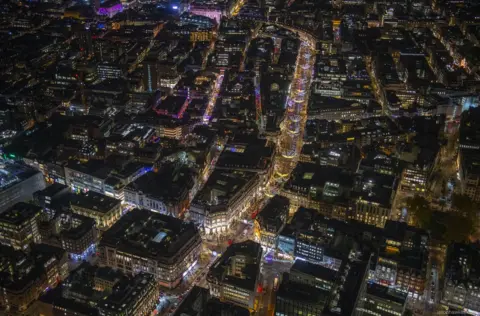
94,201
149,235
172,182
13,173
20,213
252,251
126,293
222,186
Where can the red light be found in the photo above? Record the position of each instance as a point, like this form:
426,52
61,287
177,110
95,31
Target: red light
259,288
230,242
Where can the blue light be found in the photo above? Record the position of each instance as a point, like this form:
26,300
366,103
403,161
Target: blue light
84,255
175,7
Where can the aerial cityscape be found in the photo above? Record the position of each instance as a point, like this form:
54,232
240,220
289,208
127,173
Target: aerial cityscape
239,157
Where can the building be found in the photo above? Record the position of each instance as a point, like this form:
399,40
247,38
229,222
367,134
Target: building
173,106
93,290
382,300
137,296
19,226
271,220
315,275
18,182
299,299
324,188
199,302
248,153
373,197
402,259
150,76
109,71
78,235
103,209
51,196
462,282
469,172
166,190
145,241
468,158
235,276
224,198
26,276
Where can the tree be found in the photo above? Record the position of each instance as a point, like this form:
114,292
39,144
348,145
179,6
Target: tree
462,223
464,205
458,228
419,207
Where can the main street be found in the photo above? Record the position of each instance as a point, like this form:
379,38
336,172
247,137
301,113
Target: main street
292,127
289,147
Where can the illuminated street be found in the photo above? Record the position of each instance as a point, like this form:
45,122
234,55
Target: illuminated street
292,127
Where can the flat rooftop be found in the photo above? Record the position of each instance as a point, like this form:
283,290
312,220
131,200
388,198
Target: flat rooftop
52,190
386,293
126,293
170,183
249,249
222,186
95,168
320,272
19,213
94,201
246,153
14,173
149,235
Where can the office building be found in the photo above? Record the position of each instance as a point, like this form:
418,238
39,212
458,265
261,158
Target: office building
299,299
224,198
137,296
93,290
150,76
75,233
145,241
199,302
402,259
18,182
103,209
51,196
235,276
19,226
271,220
380,300
25,276
462,282
166,190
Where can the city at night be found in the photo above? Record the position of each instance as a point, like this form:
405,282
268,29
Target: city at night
239,157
